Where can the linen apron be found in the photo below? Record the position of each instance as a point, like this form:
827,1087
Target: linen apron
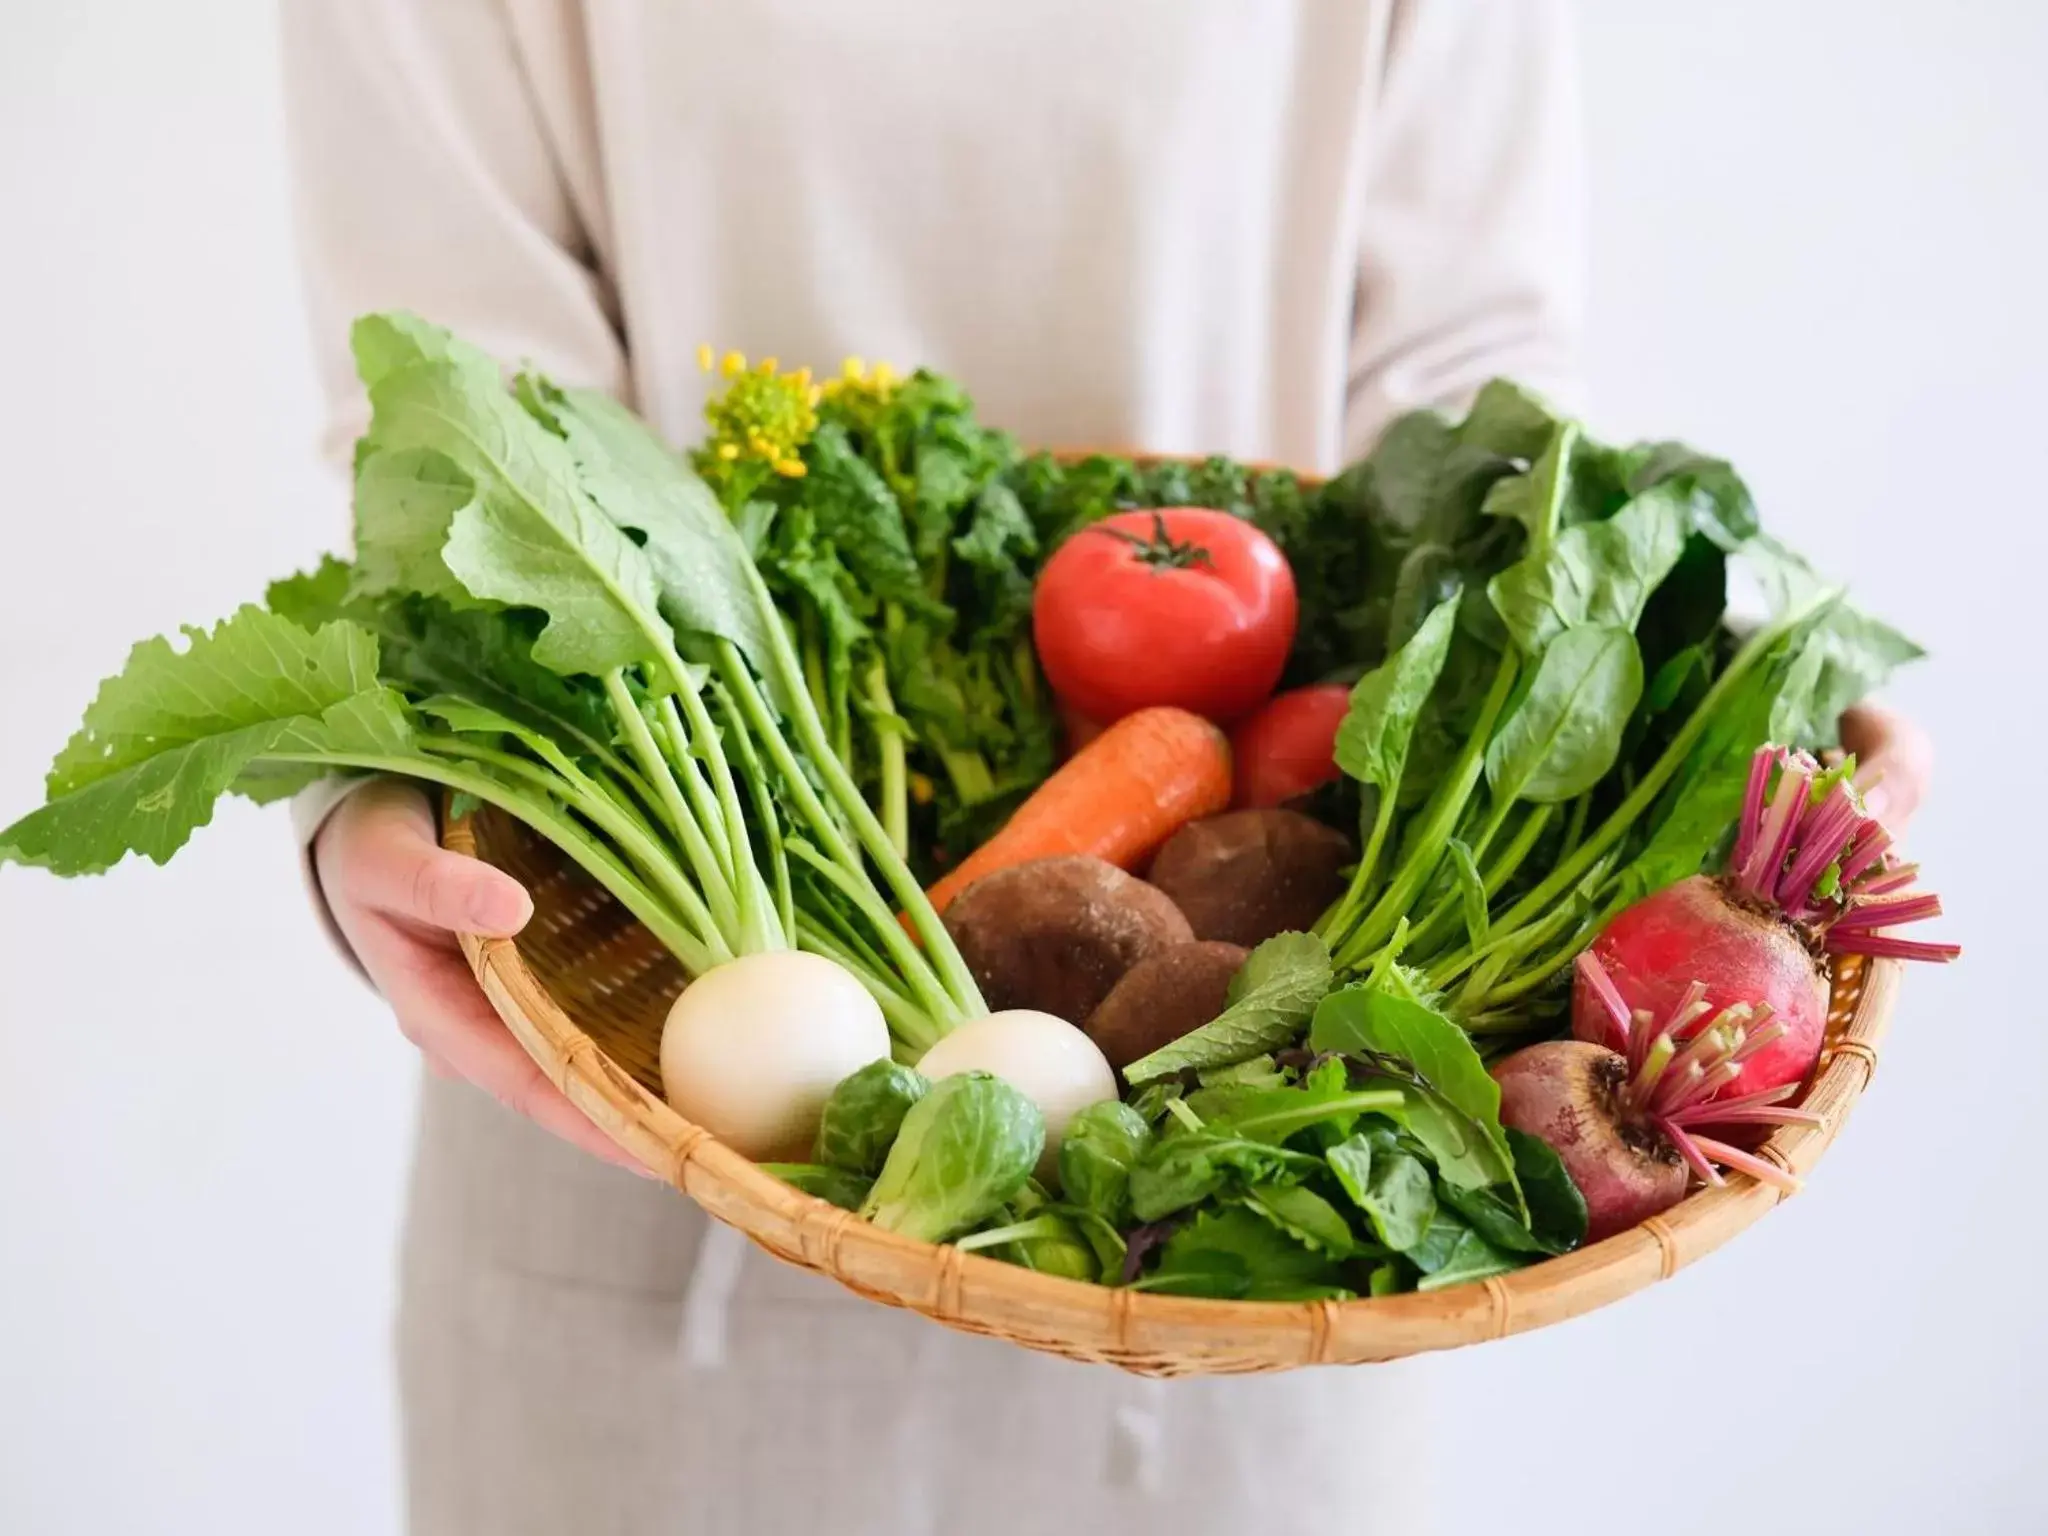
1255,227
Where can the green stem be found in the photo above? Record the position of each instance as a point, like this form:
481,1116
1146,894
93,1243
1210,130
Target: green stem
895,771
620,825
908,1024
1446,807
591,856
1575,864
909,964
687,817
938,944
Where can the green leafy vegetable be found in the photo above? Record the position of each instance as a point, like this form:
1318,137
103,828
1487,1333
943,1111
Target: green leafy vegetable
1270,998
964,1150
1390,1186
1098,1149
861,1119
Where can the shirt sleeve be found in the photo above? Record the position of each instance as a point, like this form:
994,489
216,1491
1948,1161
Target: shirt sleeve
1471,225
427,176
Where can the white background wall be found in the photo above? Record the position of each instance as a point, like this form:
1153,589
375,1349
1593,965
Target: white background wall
1818,248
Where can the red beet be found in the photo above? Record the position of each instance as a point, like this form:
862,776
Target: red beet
1811,877
1625,1114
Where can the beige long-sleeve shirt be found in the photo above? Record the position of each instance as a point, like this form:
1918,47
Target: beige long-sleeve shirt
1254,227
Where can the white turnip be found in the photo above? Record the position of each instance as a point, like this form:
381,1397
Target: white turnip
753,1048
1048,1060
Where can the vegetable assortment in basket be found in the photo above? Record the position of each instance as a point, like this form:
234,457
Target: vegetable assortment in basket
879,724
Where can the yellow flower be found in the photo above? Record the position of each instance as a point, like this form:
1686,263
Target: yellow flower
705,356
759,423
734,365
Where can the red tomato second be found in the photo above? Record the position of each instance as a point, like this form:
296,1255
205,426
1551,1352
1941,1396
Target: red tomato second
1289,747
1184,606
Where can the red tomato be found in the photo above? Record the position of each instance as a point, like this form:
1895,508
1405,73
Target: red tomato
1289,747
1183,606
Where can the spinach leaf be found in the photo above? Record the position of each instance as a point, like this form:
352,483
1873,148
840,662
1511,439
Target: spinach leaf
865,1112
1270,999
1304,1216
1566,733
1392,1187
1098,1150
1232,1254
1180,1171
1847,656
1372,741
1557,1211
1596,573
1324,1099
1470,1258
1451,1104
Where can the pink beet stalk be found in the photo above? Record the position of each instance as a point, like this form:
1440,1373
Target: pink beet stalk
1824,862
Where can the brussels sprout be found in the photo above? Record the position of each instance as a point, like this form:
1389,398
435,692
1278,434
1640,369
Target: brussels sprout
866,1110
964,1150
1101,1144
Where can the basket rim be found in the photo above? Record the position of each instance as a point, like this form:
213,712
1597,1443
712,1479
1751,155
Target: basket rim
1156,1333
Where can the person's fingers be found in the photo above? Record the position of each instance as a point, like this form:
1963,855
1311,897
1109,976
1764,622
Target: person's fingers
442,1011
1894,761
380,851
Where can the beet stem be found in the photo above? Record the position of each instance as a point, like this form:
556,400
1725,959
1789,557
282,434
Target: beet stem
1764,1172
1682,1144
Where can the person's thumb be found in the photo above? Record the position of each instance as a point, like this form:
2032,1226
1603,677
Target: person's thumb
382,853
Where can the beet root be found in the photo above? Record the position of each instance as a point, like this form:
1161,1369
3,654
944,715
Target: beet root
1569,1093
1628,1114
1697,930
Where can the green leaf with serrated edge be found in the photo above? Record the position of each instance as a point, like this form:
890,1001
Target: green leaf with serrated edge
1566,732
386,342
531,536
699,559
1372,741
1303,1215
482,655
253,669
1270,1001
1595,573
176,729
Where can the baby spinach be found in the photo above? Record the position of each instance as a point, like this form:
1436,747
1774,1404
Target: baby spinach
1392,1188
1566,733
1181,1171
1233,1254
1304,1216
1444,1096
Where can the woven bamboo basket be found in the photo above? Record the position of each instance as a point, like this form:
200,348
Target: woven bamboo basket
586,989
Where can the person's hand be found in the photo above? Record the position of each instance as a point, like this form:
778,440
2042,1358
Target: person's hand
399,899
1894,762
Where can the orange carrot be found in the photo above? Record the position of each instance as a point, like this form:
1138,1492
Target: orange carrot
1118,798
